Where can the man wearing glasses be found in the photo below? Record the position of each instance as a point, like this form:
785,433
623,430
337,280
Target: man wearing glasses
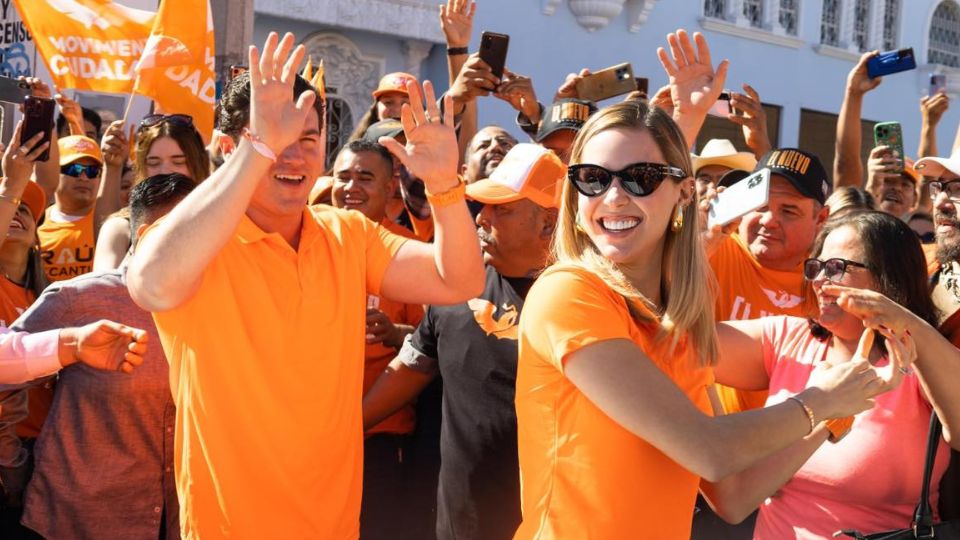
67,236
944,255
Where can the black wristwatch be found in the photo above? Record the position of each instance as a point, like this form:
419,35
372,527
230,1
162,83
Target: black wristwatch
457,51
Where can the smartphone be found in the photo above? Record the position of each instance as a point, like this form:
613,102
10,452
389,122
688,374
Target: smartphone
890,62
38,118
722,107
890,134
13,90
643,85
607,83
938,83
745,196
493,51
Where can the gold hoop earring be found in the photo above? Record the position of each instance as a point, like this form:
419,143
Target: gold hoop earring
677,224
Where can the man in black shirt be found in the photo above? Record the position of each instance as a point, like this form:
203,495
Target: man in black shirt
473,346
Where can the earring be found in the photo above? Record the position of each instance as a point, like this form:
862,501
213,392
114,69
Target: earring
677,223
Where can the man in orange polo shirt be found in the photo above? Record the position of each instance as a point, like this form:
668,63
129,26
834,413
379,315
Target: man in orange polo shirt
67,235
260,303
363,180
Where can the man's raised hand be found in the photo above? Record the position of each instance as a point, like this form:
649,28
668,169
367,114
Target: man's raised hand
274,117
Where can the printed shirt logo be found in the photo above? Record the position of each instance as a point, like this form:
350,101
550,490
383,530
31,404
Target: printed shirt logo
504,327
782,299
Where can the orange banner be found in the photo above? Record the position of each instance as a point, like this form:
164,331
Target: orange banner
88,44
177,68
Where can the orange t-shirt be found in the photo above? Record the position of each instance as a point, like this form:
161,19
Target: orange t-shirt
66,248
14,300
377,355
266,375
750,291
582,475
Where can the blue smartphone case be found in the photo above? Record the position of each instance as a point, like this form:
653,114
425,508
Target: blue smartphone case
889,62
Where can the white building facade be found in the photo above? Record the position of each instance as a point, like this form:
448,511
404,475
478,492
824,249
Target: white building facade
796,53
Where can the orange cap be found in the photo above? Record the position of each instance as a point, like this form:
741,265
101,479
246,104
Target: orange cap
528,171
35,199
77,147
393,82
910,171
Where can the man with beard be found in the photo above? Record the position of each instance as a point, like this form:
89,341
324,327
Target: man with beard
473,347
944,256
485,152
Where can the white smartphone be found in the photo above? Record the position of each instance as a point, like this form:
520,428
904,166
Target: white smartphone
938,83
722,106
745,196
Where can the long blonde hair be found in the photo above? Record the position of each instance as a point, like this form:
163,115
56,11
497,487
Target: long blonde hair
687,285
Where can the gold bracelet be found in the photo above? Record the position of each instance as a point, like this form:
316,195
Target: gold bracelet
808,411
12,200
451,196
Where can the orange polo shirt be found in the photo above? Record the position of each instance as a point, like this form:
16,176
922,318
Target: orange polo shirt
747,291
66,248
266,375
582,475
378,356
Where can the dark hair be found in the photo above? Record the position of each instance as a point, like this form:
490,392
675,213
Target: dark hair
368,119
363,145
892,253
919,214
89,115
187,138
233,111
160,191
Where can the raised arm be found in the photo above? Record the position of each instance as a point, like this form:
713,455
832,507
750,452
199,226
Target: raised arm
450,270
456,22
694,85
622,381
115,147
18,162
170,262
931,111
47,173
847,168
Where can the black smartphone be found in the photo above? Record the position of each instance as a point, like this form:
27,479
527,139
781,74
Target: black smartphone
643,85
38,118
13,90
493,51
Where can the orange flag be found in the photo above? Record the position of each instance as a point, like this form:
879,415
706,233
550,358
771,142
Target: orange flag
319,81
308,69
177,67
88,44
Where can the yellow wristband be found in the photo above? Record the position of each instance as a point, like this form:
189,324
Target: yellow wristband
451,196
838,428
806,410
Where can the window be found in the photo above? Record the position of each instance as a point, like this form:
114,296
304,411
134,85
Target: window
891,24
753,11
339,126
715,8
830,23
945,35
788,16
861,24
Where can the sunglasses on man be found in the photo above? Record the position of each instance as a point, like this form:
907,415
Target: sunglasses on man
76,170
637,179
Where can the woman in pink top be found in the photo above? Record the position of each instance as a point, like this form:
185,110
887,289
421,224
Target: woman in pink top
867,270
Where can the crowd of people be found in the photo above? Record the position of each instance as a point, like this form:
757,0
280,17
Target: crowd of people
453,333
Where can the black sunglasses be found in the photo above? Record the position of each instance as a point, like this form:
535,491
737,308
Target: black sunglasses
638,179
76,169
833,269
184,120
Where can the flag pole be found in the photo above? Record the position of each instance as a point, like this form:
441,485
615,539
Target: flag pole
133,92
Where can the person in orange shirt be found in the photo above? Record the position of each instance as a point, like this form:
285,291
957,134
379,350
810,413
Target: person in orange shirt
260,304
617,340
67,235
364,181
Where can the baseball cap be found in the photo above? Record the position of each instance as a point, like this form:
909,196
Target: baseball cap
390,127
910,171
393,82
935,166
77,147
722,152
802,169
566,113
528,171
35,199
